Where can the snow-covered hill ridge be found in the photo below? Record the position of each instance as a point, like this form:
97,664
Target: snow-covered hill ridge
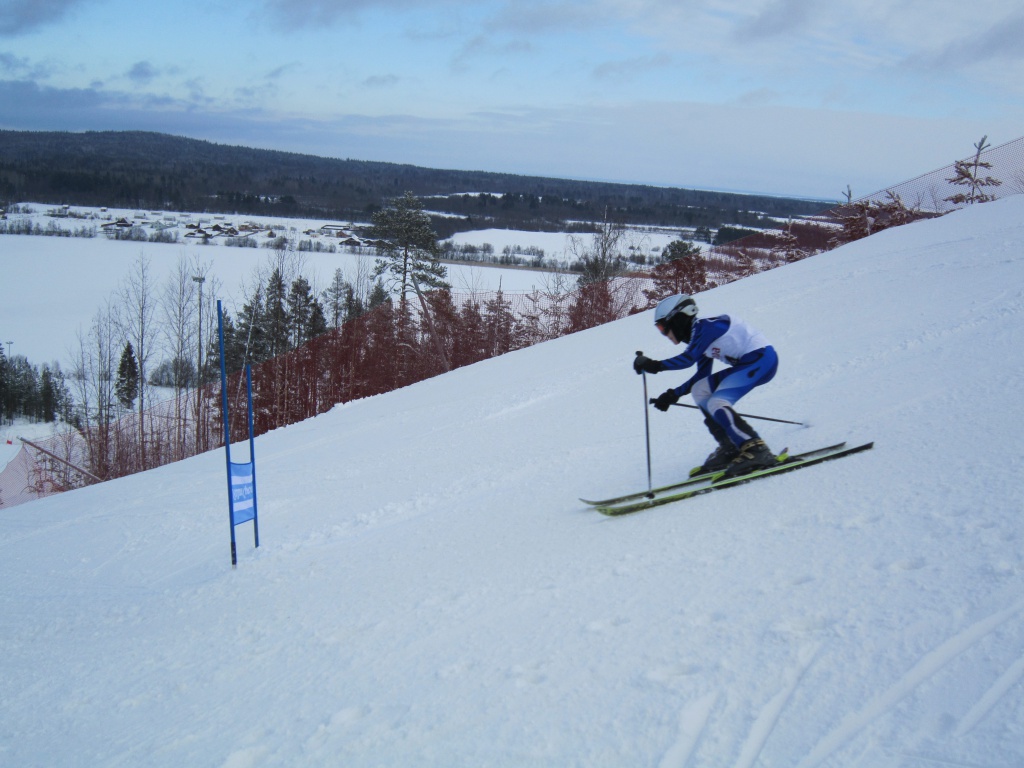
430,593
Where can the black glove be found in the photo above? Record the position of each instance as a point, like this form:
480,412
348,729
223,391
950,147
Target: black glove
666,399
643,364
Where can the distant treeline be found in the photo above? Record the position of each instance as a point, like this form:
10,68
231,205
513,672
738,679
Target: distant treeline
155,171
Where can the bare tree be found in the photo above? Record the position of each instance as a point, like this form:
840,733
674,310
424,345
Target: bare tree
93,380
602,258
135,317
187,310
179,309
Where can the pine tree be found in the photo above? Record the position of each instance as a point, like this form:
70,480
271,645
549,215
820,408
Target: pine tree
21,391
305,313
317,324
746,265
335,297
684,271
251,332
593,306
378,297
234,349
855,220
55,397
299,311
787,246
967,173
276,316
500,325
127,388
48,397
470,343
410,249
353,305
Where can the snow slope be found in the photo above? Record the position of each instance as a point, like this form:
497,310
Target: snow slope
430,593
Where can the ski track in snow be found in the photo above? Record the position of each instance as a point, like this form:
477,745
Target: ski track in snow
692,722
927,667
998,690
769,716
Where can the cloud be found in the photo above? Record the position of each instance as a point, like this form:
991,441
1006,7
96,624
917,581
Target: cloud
12,65
776,19
26,105
759,97
142,73
1000,41
487,46
629,69
498,16
278,72
526,17
297,14
381,81
21,16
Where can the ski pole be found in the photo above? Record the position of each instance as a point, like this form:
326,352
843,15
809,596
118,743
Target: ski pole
748,416
647,433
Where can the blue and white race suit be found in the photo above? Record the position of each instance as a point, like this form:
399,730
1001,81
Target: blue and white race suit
752,362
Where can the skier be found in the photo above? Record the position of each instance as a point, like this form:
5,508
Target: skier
752,362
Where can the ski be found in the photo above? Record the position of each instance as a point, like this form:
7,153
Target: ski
694,479
794,463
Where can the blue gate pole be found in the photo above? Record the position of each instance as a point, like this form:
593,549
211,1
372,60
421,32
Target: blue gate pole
252,459
227,434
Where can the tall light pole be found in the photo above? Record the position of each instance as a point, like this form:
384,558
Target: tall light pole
9,343
200,279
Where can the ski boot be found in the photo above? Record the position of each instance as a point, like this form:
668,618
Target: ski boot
718,459
753,455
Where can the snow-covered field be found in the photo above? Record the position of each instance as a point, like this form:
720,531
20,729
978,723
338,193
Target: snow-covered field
59,283
429,592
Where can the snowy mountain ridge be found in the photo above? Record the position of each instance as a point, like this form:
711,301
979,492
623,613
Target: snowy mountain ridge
430,593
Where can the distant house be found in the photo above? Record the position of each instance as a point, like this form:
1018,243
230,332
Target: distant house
121,223
334,230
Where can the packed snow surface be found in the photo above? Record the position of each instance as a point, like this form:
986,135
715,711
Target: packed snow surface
429,591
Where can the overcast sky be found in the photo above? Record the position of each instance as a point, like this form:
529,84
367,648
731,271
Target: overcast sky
796,97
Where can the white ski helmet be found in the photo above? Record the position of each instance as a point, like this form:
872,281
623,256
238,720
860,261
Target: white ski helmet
676,314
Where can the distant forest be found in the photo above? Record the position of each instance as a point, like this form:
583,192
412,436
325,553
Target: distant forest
154,171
